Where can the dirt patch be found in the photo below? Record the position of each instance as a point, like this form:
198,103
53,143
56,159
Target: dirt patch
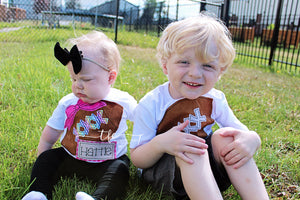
4,30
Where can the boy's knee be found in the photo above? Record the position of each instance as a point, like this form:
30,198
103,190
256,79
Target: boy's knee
179,162
197,159
218,142
218,139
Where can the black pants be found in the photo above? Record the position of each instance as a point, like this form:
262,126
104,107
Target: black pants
110,176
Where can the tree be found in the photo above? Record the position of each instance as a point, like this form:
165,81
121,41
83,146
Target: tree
148,14
73,4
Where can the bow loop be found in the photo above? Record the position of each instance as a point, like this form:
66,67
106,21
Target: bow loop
73,109
63,55
76,58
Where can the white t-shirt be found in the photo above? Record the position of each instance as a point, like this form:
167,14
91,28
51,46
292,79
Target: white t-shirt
58,118
152,107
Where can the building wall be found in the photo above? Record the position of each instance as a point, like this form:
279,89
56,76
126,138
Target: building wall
27,5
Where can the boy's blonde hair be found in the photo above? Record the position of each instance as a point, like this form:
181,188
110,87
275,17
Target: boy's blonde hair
199,33
102,46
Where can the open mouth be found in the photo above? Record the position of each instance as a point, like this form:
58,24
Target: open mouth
192,84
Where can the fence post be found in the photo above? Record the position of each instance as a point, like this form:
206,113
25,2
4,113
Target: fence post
202,6
117,21
275,32
177,8
130,22
226,14
96,16
159,19
137,22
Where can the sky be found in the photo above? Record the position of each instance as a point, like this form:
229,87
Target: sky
172,2
187,8
135,2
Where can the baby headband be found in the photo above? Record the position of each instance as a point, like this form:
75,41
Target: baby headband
75,56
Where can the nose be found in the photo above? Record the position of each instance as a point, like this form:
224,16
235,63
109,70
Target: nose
78,84
195,70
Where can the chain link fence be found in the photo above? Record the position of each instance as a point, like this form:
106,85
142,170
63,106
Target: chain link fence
136,23
147,16
251,20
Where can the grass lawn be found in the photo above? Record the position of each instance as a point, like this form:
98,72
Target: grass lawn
32,82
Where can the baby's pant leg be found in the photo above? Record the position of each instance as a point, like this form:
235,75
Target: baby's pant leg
45,169
113,183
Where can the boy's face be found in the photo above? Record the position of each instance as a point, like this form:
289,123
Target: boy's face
189,77
92,83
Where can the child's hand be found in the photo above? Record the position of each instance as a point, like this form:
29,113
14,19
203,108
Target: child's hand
242,149
178,143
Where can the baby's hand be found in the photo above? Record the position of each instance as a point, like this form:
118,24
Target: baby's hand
242,149
177,143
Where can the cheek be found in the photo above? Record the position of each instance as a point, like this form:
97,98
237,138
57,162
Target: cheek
212,78
73,87
94,86
178,74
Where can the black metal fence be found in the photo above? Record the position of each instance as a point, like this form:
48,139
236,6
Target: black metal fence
265,32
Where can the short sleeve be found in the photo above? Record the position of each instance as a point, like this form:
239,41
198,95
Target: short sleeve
130,107
57,120
144,128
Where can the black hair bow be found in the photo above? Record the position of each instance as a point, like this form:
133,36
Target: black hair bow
75,56
64,56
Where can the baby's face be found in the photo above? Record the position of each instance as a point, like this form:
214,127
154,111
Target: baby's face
92,83
189,77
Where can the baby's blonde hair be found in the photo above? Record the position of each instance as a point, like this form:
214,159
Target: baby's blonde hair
102,46
199,33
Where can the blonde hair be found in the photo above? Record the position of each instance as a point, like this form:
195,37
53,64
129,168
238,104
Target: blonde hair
200,33
102,46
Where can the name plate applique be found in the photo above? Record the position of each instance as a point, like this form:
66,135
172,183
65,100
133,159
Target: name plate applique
94,151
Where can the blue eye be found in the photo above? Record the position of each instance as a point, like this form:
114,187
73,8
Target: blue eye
183,62
210,67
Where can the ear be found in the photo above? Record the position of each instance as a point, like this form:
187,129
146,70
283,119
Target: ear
223,69
164,66
112,77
